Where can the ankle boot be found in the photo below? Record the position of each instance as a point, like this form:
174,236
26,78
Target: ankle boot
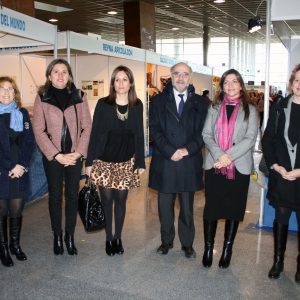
210,228
69,240
280,233
231,228
297,275
4,253
58,246
109,248
15,225
118,246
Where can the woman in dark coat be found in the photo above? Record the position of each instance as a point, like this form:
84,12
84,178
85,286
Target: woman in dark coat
116,151
280,147
229,135
16,148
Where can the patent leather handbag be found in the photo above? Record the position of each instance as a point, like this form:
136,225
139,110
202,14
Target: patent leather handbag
90,208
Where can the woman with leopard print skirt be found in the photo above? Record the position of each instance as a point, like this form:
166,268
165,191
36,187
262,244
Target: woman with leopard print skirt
116,151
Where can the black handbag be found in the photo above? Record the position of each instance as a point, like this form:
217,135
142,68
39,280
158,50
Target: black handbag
263,167
90,208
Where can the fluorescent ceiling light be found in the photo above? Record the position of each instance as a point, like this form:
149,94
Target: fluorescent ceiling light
112,12
110,20
219,1
49,7
53,20
175,28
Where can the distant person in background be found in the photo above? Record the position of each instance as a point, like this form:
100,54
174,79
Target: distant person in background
229,134
278,97
16,148
260,108
62,125
281,151
205,95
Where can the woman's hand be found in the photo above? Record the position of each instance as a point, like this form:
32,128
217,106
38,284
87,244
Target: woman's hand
281,170
223,161
65,159
292,175
16,172
88,171
141,171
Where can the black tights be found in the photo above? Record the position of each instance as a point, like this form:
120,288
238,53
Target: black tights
118,197
283,214
11,207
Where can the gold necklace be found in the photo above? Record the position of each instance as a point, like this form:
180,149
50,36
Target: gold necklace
122,117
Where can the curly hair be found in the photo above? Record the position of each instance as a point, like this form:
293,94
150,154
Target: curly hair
15,87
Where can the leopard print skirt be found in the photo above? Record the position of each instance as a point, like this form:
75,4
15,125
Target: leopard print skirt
120,176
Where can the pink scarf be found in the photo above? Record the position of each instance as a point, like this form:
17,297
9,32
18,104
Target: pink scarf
224,133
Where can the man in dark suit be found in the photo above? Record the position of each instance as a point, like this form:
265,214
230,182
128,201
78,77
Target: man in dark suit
176,120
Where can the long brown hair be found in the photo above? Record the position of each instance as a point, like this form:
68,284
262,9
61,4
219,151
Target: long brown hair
132,97
49,69
219,97
15,87
292,77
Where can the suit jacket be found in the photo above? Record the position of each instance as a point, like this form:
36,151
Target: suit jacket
278,149
105,119
26,145
170,132
48,123
244,138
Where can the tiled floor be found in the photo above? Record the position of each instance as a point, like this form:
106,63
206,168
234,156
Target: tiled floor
141,273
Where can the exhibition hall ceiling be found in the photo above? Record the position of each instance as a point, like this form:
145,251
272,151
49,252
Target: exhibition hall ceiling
187,17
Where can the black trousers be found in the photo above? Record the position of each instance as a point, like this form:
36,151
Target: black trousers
56,175
186,227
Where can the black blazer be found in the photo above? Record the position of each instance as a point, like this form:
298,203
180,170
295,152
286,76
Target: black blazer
171,132
281,192
105,119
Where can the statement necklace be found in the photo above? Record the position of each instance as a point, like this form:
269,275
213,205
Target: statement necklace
122,117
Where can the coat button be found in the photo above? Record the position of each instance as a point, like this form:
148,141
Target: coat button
293,151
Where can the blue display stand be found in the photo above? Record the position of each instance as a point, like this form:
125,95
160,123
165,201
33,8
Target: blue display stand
269,215
38,183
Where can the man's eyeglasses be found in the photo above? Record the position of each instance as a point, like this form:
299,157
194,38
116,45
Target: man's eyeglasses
9,90
181,74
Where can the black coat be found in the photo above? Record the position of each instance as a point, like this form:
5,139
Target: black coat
281,192
105,119
171,132
26,147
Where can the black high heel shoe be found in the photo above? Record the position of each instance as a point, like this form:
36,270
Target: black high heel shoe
109,248
58,246
117,243
69,240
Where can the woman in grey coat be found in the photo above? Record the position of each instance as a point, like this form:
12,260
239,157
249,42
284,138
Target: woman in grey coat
229,134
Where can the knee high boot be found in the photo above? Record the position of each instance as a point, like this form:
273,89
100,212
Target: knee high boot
280,233
15,225
4,253
210,228
297,275
231,228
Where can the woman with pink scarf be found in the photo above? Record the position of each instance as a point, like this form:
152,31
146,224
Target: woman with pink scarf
229,134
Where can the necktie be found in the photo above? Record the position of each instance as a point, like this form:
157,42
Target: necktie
181,104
